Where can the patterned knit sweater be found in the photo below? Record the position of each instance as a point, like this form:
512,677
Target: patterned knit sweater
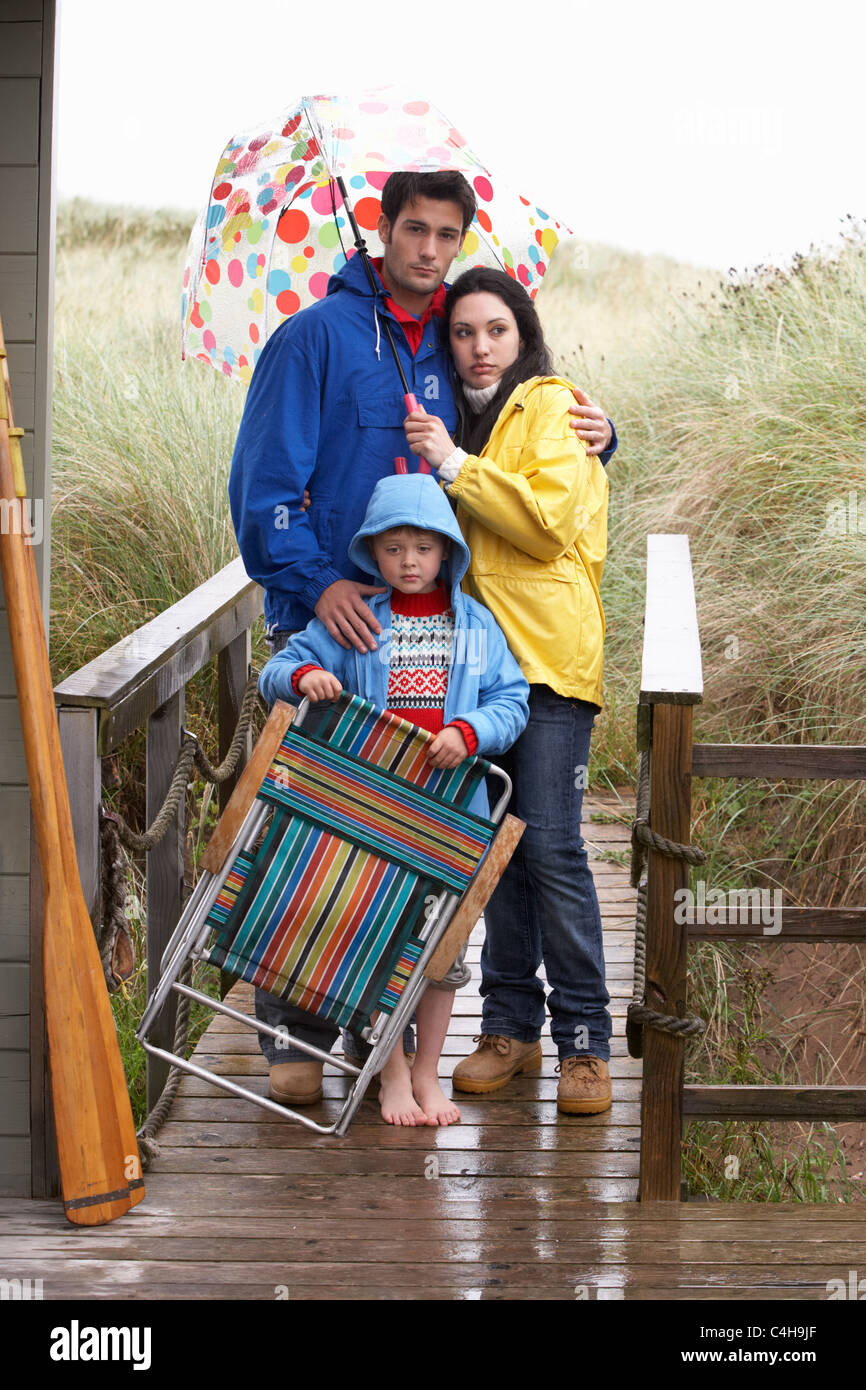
421,643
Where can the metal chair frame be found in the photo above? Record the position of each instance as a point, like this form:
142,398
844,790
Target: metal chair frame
189,940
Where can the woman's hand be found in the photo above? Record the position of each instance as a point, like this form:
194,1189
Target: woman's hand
448,748
428,437
319,685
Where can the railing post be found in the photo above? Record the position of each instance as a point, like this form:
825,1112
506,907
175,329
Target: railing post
671,683
165,871
233,667
666,966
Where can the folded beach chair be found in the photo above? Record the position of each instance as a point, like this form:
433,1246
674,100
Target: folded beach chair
344,873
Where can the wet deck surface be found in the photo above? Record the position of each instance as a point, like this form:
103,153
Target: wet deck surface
515,1202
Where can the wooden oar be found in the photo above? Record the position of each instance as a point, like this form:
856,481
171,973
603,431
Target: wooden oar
97,1149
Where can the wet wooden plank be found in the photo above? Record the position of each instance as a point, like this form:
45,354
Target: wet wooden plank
705,1261
230,1275
370,1133
220,1108
336,1160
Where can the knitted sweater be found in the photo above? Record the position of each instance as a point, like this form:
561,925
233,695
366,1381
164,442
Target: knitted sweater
421,644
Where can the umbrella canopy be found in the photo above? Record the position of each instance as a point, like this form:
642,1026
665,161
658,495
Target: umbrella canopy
275,228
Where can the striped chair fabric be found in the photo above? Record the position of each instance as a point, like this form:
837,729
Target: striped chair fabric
365,833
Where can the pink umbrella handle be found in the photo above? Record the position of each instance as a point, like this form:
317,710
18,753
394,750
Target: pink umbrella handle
411,405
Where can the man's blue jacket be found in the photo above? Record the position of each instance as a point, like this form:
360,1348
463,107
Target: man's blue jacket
325,412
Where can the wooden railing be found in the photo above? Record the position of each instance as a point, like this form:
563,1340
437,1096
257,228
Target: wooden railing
142,681
671,685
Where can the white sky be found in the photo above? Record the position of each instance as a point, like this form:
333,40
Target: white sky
725,134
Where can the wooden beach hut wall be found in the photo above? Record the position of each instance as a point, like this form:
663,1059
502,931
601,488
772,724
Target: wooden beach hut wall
27,102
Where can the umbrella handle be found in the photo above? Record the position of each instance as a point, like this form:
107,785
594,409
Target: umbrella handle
411,405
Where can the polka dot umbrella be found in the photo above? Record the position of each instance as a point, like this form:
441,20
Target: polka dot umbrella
277,225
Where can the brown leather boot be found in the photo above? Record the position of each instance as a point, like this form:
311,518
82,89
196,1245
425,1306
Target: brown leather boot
584,1086
494,1062
296,1083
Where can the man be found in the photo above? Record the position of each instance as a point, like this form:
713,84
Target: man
324,413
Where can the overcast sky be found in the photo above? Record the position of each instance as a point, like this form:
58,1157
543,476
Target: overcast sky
724,134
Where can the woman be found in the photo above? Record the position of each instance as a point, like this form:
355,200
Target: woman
533,509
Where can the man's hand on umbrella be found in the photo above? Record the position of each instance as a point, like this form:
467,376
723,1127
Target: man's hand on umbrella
344,613
428,437
590,423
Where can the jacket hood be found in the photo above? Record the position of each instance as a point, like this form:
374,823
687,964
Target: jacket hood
352,276
411,499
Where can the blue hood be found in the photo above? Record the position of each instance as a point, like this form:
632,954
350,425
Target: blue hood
352,276
412,499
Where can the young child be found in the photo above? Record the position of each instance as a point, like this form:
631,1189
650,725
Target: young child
442,663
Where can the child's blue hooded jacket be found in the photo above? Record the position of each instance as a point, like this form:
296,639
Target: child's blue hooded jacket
485,684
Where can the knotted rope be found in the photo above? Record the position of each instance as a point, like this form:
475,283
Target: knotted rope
115,943
639,1016
191,754
148,1146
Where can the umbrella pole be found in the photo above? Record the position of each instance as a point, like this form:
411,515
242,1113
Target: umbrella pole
361,248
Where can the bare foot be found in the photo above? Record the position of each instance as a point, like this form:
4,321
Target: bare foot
433,1100
398,1103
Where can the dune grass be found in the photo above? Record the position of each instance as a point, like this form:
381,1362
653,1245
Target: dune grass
740,407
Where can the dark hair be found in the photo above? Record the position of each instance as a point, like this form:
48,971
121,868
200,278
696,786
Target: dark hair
445,185
534,359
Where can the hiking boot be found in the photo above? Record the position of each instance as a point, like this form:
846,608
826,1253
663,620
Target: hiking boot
584,1086
494,1062
296,1083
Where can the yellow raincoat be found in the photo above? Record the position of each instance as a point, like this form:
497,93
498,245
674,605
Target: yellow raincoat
533,509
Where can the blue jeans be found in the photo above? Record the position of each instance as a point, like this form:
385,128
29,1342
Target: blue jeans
545,906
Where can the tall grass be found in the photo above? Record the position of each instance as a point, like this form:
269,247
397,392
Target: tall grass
142,444
742,419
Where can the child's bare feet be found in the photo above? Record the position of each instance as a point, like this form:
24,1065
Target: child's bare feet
395,1097
433,1101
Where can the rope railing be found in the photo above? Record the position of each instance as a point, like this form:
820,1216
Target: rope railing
639,1016
114,937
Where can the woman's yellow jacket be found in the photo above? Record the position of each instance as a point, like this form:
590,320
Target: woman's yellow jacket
533,509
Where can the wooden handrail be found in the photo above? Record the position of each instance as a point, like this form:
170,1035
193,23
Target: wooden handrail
136,676
795,924
816,761
142,680
775,1102
670,686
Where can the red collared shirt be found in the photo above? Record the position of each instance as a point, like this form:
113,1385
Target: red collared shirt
412,327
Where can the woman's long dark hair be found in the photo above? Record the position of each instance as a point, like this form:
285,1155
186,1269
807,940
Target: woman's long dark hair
534,359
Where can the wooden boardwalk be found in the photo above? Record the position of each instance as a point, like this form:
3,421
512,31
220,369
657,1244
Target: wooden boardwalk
516,1202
